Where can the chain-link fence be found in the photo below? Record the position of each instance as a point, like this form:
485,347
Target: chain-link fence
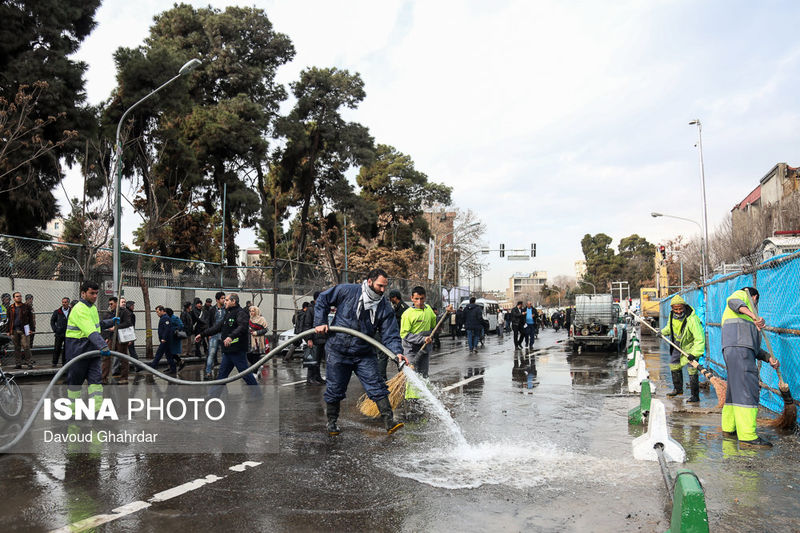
779,304
52,270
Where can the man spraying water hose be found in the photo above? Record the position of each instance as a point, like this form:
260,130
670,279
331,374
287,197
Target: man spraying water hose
684,329
362,308
741,346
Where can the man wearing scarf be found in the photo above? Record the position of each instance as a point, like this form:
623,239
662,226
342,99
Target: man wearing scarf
685,330
362,308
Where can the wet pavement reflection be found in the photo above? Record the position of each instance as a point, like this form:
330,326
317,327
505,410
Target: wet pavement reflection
548,449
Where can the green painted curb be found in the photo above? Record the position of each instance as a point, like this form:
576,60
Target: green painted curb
637,415
689,513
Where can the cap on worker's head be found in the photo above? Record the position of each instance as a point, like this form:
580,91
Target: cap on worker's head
677,300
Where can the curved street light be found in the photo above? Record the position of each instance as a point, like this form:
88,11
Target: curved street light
117,263
438,247
594,289
703,241
558,293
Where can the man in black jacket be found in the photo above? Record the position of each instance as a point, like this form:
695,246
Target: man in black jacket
235,330
122,347
58,323
188,326
518,325
315,347
199,323
473,323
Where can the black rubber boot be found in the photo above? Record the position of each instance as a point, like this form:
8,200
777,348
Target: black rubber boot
757,443
694,387
389,422
313,377
677,383
333,417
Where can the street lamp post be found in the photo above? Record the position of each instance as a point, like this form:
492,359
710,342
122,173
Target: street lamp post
558,293
594,289
117,263
703,246
438,245
702,181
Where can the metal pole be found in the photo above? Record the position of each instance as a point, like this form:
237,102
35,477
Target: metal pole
681,256
117,253
222,257
703,182
439,250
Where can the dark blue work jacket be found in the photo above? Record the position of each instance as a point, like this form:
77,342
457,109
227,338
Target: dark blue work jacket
345,298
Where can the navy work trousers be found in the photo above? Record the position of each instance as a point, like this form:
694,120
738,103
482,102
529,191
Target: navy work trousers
341,366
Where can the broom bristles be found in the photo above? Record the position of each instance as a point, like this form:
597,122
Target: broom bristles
720,388
788,418
397,392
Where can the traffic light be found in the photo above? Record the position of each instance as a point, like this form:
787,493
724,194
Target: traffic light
663,251
533,249
502,250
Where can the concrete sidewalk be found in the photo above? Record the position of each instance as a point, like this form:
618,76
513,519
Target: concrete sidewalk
48,369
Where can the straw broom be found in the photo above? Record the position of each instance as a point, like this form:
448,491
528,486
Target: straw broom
788,418
396,385
720,385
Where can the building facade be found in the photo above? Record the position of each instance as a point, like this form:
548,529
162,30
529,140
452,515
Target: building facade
523,286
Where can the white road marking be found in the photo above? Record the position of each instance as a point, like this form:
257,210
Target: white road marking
463,382
133,507
295,382
183,489
241,467
94,521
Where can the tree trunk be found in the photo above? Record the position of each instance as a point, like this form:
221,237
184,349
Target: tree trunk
148,323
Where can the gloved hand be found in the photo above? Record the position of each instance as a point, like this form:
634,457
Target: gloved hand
401,361
105,352
115,320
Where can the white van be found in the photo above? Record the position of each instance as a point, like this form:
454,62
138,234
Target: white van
490,309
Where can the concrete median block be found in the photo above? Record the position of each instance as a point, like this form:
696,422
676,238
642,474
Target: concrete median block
689,514
638,414
657,432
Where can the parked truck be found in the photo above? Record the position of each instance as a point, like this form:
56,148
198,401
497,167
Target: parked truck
649,308
597,325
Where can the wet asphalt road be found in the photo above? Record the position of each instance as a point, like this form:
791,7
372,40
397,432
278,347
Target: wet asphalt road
549,454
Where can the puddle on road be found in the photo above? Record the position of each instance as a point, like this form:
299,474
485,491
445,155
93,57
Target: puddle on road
516,464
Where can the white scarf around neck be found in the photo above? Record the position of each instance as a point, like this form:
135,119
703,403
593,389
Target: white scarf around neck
369,300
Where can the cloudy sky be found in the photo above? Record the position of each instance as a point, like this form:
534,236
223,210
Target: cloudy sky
550,119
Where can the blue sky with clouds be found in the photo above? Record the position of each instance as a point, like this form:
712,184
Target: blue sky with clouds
550,119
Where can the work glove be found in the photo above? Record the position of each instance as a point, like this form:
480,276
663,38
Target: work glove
115,320
105,352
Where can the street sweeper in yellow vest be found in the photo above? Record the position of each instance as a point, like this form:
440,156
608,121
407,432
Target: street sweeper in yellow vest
685,330
416,326
741,346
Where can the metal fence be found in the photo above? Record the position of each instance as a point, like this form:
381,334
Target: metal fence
52,270
778,283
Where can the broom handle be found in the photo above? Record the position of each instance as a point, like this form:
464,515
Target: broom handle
692,361
778,370
439,324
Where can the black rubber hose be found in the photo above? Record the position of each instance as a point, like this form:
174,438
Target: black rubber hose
96,353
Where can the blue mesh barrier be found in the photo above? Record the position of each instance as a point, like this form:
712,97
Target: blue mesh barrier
778,282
